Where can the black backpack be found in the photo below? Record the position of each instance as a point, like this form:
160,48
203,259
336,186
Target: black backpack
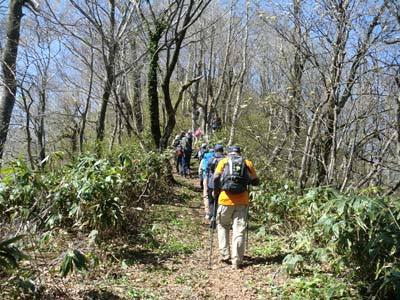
211,166
176,143
235,176
186,144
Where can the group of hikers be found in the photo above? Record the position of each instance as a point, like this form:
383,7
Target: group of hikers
224,180
183,145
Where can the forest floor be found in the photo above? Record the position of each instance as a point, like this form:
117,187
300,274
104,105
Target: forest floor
168,259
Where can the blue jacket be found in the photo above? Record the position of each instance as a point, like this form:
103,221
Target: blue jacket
206,158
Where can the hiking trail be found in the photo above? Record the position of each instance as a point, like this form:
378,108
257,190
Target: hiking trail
168,259
188,276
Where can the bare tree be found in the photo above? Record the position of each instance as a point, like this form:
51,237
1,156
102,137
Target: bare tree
241,76
8,66
173,23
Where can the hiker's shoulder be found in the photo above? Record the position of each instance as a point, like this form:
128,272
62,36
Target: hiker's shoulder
224,160
248,163
215,159
221,164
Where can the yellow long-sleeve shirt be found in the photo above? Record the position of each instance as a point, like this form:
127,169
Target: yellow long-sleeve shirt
226,198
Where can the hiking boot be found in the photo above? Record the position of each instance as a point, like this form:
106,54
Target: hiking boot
235,265
213,224
224,260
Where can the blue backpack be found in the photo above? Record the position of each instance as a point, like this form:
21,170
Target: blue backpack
207,156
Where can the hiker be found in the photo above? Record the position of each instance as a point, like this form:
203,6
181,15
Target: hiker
203,175
178,151
176,144
216,123
198,134
186,144
200,153
211,166
231,179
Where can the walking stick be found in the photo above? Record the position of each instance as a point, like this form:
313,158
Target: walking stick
247,228
213,225
247,222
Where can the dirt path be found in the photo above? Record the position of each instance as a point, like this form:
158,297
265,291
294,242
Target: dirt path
191,277
169,259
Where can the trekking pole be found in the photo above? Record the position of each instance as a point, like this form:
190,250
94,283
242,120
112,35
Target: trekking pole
213,225
211,247
247,228
247,222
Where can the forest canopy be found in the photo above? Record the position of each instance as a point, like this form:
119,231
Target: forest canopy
313,84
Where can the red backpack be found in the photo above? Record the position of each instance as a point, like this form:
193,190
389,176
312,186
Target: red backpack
179,151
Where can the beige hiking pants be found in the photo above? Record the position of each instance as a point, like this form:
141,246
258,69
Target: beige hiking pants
236,216
205,197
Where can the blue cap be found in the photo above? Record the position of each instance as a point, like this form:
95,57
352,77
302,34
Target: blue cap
234,149
219,147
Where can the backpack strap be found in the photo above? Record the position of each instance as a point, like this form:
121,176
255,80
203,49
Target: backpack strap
230,165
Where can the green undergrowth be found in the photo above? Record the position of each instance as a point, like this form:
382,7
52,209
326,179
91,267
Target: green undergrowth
89,193
324,238
316,286
174,228
80,216
156,248
296,274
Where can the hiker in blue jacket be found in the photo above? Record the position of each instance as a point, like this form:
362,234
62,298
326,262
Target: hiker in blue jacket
202,173
211,166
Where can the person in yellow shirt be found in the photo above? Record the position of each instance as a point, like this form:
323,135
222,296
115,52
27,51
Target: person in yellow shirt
231,179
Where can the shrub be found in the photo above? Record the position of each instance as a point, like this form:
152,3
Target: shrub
358,231
9,253
93,193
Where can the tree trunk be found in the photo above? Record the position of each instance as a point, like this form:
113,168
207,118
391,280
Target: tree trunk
8,69
397,81
336,102
310,140
295,90
27,108
194,95
124,109
152,85
110,75
41,137
342,34
171,64
349,163
87,105
115,130
108,83
136,93
243,72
